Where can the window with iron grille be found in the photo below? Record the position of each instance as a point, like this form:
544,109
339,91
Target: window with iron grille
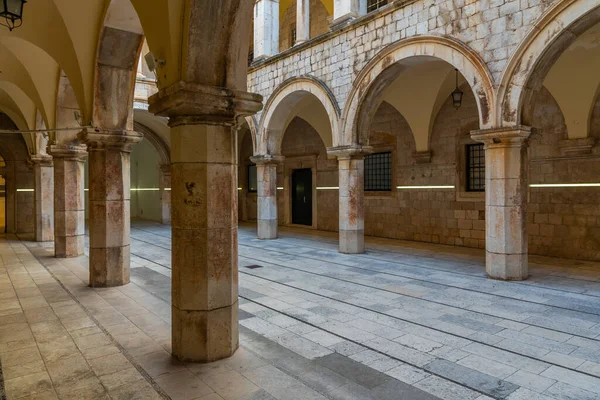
293,37
373,5
250,57
252,181
475,168
378,172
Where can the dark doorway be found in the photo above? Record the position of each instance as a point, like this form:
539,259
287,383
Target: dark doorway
302,196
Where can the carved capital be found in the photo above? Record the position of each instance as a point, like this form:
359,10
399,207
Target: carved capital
502,137
109,140
74,152
267,159
193,103
349,152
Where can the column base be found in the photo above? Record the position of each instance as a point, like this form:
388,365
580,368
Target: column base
507,267
352,242
69,246
109,267
205,336
267,229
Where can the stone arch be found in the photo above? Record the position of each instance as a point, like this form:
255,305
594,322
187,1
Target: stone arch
119,48
283,100
161,147
555,31
379,72
253,125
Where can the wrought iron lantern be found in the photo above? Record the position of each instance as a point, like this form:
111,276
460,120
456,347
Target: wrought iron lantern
457,95
12,12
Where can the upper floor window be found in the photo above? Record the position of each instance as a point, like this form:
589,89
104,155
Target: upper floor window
475,168
378,172
252,181
373,5
293,36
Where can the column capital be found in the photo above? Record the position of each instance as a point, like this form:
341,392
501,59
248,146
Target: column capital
120,140
188,103
502,137
43,160
267,159
75,152
349,152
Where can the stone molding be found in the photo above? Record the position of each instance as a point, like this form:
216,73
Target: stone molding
109,140
69,152
193,103
349,152
576,147
422,157
502,137
165,169
267,159
43,160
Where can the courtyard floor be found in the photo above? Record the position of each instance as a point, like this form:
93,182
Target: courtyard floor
405,320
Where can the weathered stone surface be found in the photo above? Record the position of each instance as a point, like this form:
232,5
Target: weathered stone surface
44,198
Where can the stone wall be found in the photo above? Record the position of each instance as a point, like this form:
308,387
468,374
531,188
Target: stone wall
492,28
563,222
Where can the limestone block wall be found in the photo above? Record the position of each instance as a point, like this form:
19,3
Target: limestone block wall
492,28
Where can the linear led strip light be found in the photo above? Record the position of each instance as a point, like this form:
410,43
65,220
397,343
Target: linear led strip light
424,187
559,185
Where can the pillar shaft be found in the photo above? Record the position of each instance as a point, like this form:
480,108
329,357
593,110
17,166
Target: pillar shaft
506,201
266,28
302,21
351,165
204,217
344,10
109,206
69,209
165,193
266,174
44,198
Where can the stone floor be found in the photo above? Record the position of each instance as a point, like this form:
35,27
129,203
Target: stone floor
404,321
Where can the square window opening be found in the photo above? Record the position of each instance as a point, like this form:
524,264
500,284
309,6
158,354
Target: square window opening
378,172
373,5
475,168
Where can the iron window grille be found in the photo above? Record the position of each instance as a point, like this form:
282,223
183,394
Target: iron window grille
250,57
475,168
378,172
252,181
373,5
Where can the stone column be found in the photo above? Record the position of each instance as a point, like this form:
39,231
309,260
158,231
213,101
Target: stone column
69,208
109,202
266,28
204,216
11,197
351,165
505,201
266,176
302,21
44,197
165,193
346,10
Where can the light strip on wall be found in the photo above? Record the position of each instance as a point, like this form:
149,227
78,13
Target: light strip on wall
558,185
328,188
25,190
424,187
239,188
279,188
